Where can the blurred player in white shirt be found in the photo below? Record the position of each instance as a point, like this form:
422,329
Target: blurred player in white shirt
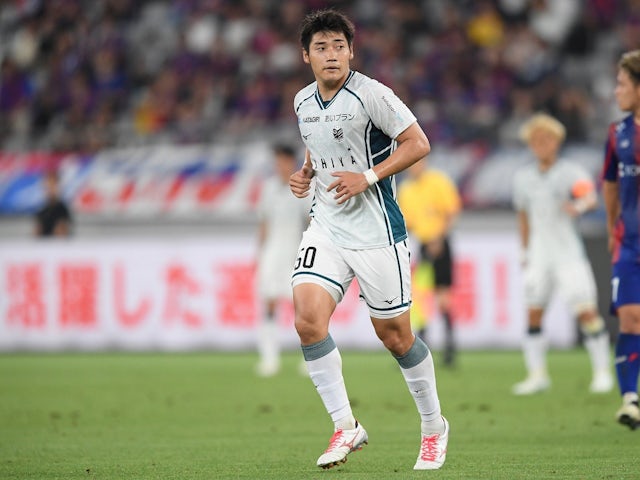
282,218
548,196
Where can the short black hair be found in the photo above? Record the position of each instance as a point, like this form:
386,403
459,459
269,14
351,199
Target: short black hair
284,149
328,20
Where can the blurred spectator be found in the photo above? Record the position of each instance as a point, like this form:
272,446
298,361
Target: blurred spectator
54,218
191,71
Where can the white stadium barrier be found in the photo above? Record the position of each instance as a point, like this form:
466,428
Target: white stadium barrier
198,293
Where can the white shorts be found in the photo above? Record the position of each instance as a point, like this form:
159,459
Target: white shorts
574,282
383,274
274,274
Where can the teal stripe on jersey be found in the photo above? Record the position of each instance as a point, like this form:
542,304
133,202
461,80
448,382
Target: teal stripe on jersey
303,100
379,147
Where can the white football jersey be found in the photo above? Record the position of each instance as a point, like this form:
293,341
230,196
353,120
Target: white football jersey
285,217
354,131
553,234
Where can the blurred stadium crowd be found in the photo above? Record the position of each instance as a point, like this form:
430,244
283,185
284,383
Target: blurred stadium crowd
84,75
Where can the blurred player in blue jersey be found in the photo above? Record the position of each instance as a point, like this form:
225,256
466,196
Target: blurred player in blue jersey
621,192
358,135
548,195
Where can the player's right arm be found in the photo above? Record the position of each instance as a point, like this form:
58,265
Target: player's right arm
300,181
612,209
610,186
520,205
413,145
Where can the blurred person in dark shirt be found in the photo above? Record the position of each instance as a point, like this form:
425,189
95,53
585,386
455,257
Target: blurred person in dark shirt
54,217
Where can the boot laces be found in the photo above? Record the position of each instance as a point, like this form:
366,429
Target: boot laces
429,448
335,441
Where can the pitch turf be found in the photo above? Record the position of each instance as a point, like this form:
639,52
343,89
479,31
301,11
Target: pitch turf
206,416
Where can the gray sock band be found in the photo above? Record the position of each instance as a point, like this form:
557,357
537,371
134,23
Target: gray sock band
318,350
417,353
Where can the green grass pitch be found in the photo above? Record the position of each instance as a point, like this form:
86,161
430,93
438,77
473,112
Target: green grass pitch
207,416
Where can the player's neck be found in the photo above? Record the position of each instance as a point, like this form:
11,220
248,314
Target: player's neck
328,90
546,164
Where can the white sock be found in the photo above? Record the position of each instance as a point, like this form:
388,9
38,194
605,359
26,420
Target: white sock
598,349
326,374
268,345
596,342
534,349
421,380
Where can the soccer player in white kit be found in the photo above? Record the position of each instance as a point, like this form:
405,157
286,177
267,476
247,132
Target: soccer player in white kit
282,219
358,135
548,196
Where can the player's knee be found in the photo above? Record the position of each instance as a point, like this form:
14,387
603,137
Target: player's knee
310,325
396,341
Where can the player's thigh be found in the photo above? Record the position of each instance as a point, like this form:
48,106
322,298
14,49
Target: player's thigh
625,283
321,262
313,306
629,316
538,284
384,277
577,285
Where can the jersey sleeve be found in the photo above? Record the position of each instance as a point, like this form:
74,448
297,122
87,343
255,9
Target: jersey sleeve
610,167
386,110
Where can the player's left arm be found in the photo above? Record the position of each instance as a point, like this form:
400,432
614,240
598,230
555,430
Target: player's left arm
583,197
610,194
413,145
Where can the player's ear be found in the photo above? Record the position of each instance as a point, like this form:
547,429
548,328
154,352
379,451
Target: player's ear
305,56
351,54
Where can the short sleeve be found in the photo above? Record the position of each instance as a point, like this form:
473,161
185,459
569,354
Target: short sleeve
386,110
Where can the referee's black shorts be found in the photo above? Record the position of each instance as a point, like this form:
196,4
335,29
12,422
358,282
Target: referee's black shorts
442,264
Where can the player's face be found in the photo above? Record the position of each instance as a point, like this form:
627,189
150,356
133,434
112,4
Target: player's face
329,55
544,144
627,93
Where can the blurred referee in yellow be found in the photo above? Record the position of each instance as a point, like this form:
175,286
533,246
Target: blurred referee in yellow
430,202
